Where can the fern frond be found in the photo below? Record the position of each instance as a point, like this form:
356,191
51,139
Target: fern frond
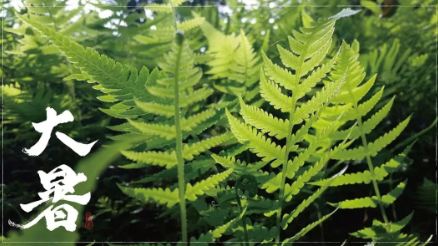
363,108
374,147
372,202
272,93
191,171
164,131
278,74
190,24
246,61
201,58
382,233
196,96
288,218
199,188
192,150
258,144
365,177
273,182
288,58
226,162
315,77
164,197
257,233
294,189
299,135
210,236
372,232
308,228
171,197
232,59
321,97
312,44
357,93
187,124
264,121
222,48
307,51
368,125
241,168
125,82
163,159
425,195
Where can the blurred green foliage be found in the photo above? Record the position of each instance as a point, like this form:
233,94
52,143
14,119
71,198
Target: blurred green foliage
398,43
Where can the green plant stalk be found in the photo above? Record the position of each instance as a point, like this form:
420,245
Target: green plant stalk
284,169
394,214
320,225
179,155
287,150
370,163
245,232
286,157
178,138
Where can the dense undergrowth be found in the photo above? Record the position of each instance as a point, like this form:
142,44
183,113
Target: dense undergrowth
274,124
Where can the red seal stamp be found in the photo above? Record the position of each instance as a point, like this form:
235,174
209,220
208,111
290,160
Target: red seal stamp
88,221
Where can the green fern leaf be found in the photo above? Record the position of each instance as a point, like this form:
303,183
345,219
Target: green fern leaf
125,82
307,51
365,177
378,228
357,93
374,147
308,228
199,188
257,233
211,236
188,124
321,97
264,121
190,24
164,131
368,125
294,189
192,150
272,93
163,159
288,218
191,171
315,77
372,202
278,74
259,144
164,197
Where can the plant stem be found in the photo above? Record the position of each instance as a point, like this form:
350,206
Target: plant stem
178,138
394,214
179,153
287,150
370,163
320,225
284,169
245,232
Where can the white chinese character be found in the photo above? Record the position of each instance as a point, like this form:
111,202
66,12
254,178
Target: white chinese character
46,128
60,188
